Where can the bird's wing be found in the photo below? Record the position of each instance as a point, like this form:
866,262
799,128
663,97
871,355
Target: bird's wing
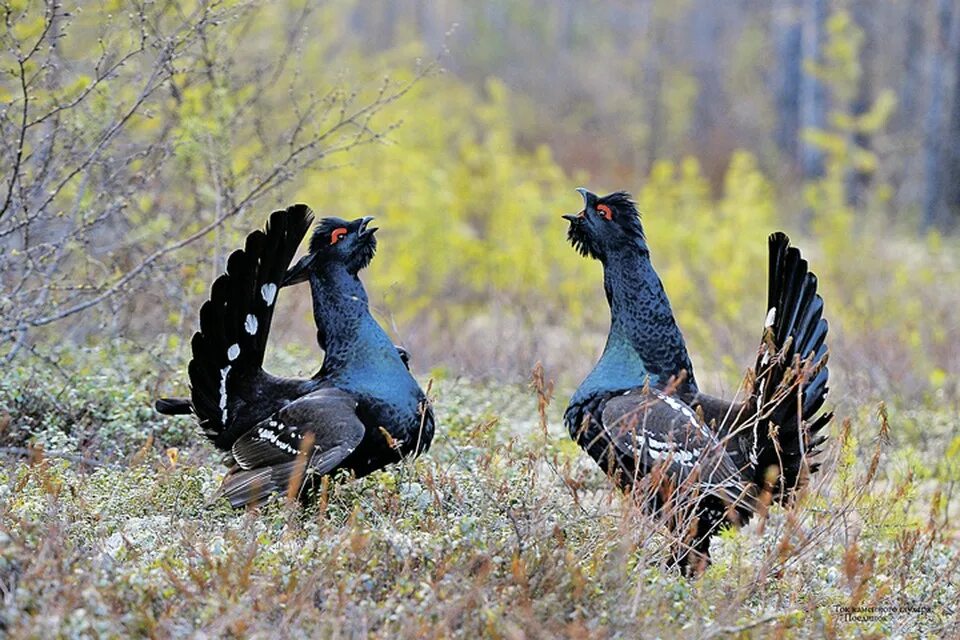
655,431
716,412
311,435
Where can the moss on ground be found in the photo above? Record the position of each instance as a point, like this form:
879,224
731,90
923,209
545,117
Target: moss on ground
502,530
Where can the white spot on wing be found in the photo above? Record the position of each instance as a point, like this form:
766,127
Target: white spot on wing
233,352
274,438
658,449
771,317
269,293
687,413
727,483
251,324
674,453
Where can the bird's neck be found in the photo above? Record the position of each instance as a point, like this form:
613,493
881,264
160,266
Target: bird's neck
644,343
346,331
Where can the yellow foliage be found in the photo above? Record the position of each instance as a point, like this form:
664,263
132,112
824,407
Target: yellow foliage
467,214
470,214
28,29
710,252
469,217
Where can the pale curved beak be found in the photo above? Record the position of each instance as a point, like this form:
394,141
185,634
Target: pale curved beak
366,230
586,195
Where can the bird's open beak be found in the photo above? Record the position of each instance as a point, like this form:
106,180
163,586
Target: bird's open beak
586,202
366,230
589,198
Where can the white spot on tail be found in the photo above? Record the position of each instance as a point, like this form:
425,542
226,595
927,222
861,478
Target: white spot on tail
269,293
251,324
771,317
756,421
233,352
223,392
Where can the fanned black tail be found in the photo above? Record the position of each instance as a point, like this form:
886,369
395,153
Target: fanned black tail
235,321
791,376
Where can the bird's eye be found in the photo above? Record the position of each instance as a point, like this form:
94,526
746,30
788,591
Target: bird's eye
338,235
605,211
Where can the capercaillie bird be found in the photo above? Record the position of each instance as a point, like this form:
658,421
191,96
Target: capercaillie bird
700,462
361,411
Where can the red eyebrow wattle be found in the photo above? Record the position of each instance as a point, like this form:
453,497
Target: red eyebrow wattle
337,234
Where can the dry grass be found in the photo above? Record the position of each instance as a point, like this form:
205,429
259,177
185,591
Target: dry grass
504,530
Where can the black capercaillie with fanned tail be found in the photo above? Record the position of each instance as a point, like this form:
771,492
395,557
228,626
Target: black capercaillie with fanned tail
700,462
361,411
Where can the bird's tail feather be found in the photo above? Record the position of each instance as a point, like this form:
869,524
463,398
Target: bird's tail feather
174,406
791,376
235,321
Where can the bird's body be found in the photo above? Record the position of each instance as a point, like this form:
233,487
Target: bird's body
644,343
361,411
641,416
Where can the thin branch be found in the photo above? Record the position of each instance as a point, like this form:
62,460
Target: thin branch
51,241
15,171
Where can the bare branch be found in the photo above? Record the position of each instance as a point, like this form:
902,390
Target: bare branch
109,182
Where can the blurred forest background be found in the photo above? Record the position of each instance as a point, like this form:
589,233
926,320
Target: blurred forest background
140,142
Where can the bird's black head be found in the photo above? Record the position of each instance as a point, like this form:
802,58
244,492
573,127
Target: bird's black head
335,240
606,225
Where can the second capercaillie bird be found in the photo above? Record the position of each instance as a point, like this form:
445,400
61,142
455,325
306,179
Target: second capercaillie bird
702,462
361,411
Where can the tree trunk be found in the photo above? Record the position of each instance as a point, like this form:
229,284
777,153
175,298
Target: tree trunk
951,169
566,27
858,181
706,27
813,97
933,147
789,43
652,82
908,107
429,20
